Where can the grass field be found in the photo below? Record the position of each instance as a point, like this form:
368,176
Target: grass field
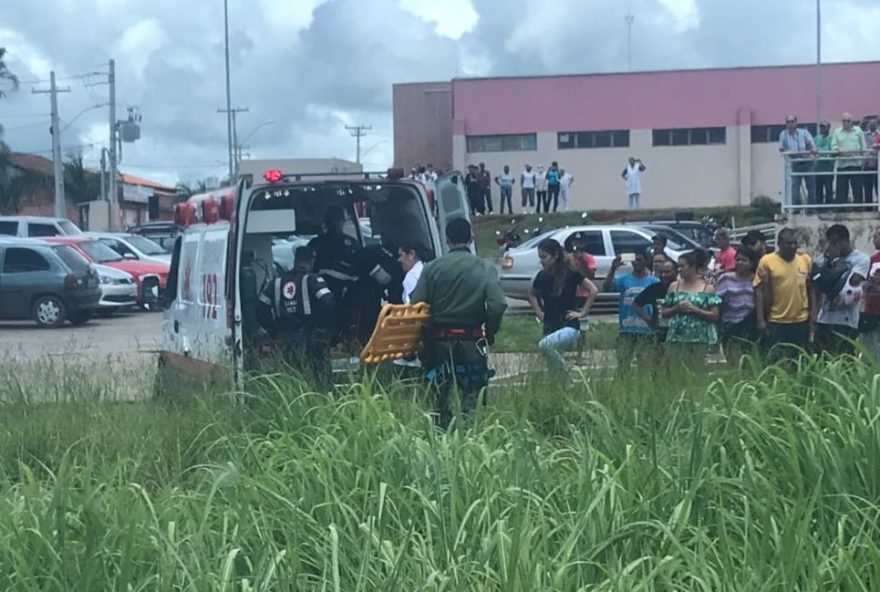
521,333
745,479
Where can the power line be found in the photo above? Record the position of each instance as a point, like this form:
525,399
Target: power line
358,132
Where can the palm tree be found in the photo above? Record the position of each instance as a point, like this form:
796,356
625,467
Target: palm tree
6,75
80,184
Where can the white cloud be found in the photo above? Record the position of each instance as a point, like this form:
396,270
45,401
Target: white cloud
25,55
138,43
452,18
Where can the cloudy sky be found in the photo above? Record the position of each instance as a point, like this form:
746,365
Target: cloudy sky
313,66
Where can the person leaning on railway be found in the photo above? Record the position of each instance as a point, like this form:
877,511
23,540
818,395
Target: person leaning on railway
467,306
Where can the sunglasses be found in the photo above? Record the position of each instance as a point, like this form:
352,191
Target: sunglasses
846,120
790,121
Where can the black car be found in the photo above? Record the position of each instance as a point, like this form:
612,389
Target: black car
50,284
164,233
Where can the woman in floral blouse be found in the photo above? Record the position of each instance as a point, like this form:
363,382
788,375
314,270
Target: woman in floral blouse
692,306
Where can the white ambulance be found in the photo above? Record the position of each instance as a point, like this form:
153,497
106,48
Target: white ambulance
226,252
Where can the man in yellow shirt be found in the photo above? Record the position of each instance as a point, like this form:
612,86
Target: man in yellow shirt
783,296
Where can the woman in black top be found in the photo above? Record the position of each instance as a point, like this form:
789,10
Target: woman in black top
553,296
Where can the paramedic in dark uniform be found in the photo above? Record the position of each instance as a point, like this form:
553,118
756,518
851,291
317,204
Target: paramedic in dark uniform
298,309
336,252
467,306
349,270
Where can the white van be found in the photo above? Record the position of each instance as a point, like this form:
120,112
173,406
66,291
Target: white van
37,226
204,311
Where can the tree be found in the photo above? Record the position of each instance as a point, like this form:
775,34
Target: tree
7,78
16,184
80,184
187,190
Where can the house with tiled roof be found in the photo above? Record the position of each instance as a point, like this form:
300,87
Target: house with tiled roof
139,200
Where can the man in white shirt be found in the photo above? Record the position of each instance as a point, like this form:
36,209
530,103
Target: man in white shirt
412,265
527,181
540,188
565,181
632,180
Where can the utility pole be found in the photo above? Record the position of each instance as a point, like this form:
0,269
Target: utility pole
229,112
112,192
58,166
233,151
629,18
358,132
818,63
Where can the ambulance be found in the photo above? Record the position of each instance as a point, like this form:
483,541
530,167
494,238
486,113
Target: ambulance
225,253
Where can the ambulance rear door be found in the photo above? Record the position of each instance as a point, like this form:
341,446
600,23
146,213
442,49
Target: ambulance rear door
196,324
452,203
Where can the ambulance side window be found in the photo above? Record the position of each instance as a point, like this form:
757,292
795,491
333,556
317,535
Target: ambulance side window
171,290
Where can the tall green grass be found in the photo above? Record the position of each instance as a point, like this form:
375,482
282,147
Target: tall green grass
750,479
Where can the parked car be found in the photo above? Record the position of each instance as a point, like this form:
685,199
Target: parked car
676,240
133,246
696,231
162,232
518,267
50,284
150,277
118,289
37,226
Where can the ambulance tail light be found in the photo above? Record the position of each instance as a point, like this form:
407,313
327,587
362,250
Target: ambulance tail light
273,175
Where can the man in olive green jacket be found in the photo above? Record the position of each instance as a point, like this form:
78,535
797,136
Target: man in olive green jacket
467,306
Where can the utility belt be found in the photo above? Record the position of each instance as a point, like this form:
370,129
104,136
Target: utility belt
457,334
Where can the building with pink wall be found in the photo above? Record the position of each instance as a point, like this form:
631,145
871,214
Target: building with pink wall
708,137
423,125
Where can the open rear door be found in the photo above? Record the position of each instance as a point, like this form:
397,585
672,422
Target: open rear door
452,203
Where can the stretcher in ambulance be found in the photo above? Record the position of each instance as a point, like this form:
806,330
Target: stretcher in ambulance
221,260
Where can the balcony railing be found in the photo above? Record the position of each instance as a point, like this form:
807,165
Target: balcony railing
823,182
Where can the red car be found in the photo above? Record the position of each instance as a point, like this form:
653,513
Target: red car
150,277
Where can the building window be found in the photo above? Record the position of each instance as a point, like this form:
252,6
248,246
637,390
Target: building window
599,139
769,134
502,143
690,136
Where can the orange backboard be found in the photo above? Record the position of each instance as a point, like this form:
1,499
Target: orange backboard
398,332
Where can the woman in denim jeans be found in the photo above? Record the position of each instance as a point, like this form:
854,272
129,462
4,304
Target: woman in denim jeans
553,296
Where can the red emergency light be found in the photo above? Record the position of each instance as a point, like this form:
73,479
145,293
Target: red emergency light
272,175
184,214
210,211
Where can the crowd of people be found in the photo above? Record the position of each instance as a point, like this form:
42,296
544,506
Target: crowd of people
548,190
742,298
832,168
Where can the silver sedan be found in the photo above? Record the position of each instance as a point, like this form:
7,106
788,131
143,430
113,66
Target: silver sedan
518,267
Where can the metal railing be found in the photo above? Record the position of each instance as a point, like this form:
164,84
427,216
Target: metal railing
830,181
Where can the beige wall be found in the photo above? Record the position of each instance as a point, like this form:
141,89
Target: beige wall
676,176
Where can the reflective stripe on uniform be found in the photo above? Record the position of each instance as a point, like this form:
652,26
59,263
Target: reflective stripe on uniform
278,298
265,299
322,292
338,275
306,298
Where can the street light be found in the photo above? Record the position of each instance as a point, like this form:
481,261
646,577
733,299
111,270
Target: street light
246,138
367,151
253,131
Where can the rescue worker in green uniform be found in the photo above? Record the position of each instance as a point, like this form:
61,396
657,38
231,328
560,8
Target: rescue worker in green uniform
467,306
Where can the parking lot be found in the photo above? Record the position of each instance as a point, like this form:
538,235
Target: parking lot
121,334
116,355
